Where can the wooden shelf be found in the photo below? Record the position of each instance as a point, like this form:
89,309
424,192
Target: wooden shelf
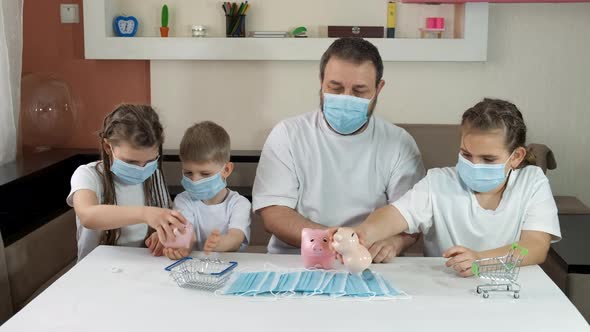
100,45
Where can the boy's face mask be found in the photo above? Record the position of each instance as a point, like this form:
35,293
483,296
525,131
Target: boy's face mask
204,189
482,177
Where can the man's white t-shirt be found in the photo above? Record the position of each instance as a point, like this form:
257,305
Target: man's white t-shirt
88,177
331,179
233,212
447,212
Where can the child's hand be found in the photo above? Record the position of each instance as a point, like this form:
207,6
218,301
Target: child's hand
178,253
332,231
163,221
154,245
461,259
212,241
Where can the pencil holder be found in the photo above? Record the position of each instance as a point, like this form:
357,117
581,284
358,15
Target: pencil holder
235,26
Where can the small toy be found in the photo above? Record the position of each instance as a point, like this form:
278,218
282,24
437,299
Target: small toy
502,272
434,26
201,273
164,28
125,26
300,32
315,249
355,256
181,240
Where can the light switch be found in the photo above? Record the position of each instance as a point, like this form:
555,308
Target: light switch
70,13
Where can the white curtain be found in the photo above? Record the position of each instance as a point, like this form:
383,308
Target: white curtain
11,44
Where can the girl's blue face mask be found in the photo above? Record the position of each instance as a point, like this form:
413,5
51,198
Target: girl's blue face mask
346,114
130,174
482,177
204,189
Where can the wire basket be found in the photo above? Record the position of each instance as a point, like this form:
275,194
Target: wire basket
502,272
201,273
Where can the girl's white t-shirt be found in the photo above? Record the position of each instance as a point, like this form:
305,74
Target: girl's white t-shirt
447,212
88,177
234,212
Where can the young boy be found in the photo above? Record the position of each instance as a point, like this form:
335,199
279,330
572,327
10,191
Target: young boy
221,217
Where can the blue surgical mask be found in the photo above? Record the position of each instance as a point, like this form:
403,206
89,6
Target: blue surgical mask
204,189
481,177
132,174
287,283
248,283
337,284
356,286
377,285
346,114
310,282
269,283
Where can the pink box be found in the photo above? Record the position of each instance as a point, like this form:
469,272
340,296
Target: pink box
431,23
439,23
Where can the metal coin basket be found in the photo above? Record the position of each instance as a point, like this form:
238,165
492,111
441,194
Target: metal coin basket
201,273
502,272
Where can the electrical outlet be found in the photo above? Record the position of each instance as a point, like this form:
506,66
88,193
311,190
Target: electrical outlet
69,13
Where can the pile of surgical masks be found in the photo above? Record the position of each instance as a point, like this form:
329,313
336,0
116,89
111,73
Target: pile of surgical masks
309,283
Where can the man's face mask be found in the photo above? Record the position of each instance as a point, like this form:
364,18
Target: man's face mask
344,113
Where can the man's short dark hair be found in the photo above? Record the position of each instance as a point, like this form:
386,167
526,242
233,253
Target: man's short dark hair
356,50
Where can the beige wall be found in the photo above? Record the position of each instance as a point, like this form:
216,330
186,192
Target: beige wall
539,58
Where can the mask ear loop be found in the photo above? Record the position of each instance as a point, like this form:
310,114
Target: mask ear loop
264,297
291,293
508,160
318,289
275,268
315,291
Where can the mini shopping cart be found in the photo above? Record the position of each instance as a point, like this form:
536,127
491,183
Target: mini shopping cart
501,272
201,273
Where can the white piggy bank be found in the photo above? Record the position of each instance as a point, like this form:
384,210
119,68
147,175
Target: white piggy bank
355,256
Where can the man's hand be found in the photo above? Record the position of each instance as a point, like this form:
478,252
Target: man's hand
384,251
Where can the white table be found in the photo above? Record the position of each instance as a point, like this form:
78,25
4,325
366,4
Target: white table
142,297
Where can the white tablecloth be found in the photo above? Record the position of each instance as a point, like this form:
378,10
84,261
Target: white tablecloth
142,297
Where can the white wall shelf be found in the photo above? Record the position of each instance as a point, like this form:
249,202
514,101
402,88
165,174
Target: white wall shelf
99,43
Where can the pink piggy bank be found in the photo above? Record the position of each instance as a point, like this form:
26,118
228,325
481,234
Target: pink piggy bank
315,249
356,258
181,240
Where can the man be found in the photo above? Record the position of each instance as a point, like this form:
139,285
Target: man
334,166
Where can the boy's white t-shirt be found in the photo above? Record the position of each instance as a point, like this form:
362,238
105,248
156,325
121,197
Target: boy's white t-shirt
88,177
233,212
447,212
331,179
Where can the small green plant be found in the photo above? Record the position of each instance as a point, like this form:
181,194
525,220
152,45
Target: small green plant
165,16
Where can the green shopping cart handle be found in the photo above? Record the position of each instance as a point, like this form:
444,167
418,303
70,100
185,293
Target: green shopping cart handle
523,251
475,269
